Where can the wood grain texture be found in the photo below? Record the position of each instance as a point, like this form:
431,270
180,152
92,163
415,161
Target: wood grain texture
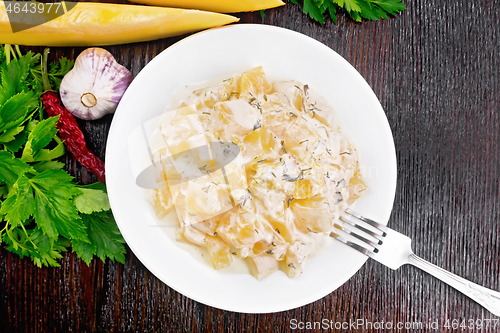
435,69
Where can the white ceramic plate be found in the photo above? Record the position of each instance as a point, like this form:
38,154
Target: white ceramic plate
223,52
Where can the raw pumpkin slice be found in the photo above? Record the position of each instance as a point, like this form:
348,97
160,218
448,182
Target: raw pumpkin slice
220,6
91,24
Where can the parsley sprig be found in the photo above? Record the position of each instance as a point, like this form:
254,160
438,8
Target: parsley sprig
43,212
357,9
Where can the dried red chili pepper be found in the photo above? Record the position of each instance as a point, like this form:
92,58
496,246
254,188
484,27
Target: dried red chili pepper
68,128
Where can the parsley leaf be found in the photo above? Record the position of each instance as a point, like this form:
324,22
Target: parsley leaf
10,134
390,6
50,154
18,142
47,249
349,5
43,133
105,239
332,10
357,9
32,243
311,8
46,165
55,213
11,168
15,75
56,73
15,109
371,12
3,192
92,199
40,137
19,206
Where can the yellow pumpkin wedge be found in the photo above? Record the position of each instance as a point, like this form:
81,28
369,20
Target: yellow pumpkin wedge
220,6
90,24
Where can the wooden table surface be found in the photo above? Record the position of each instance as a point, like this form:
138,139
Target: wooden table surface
435,69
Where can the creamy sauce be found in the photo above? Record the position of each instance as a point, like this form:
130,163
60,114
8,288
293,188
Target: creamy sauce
276,203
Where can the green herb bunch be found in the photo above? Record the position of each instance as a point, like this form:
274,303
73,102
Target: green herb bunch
43,212
357,9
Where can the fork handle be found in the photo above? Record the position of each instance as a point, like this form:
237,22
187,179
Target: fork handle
488,298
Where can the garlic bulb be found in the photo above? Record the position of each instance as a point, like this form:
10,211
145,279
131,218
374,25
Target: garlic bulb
95,85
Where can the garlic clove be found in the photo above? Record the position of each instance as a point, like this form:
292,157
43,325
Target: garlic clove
95,85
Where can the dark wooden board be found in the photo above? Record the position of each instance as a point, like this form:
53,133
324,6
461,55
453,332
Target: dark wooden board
436,70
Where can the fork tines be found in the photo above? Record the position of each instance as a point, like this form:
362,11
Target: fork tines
369,232
374,224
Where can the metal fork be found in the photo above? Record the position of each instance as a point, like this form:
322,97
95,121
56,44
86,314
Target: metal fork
393,249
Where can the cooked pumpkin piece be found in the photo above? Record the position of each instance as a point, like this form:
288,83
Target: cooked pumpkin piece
219,251
253,83
312,215
262,265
